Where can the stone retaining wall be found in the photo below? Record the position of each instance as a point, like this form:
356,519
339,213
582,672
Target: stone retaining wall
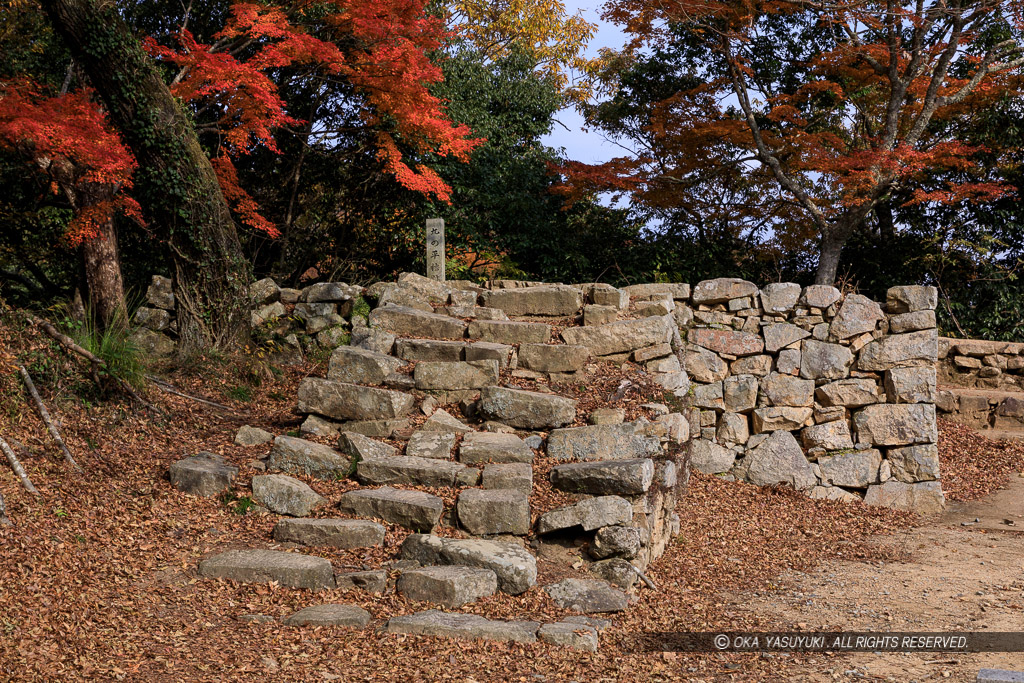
981,364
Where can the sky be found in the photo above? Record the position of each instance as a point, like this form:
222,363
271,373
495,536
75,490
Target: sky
568,133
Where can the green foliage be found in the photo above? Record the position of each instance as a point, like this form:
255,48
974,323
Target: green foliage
239,505
240,393
112,343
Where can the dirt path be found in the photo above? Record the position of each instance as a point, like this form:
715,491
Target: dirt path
955,574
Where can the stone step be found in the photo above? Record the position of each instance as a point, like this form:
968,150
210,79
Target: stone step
205,474
481,447
265,566
590,514
361,366
410,322
509,332
345,401
568,634
435,445
587,595
333,533
330,615
300,456
603,442
610,477
483,512
468,626
403,469
526,409
414,510
514,566
448,586
285,495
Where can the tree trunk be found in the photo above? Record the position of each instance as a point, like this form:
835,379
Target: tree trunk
104,286
175,183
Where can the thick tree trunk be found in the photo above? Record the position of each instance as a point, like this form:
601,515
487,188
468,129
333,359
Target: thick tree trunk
175,183
104,286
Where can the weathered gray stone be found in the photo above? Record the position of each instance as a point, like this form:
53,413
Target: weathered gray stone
493,511
381,429
705,366
360,366
602,442
377,340
912,464
285,495
266,566
574,636
848,393
912,322
437,445
160,293
732,342
449,586
509,332
414,510
333,533
434,376
609,477
896,425
733,429
788,362
526,409
674,290
436,291
616,541
710,458
515,568
442,421
307,312
360,447
853,469
677,425
587,595
623,336
780,417
911,298
709,396
616,571
513,475
552,300
832,436
781,335
923,498
252,436
900,350
780,297
721,290
606,416
833,493
402,469
820,296
429,350
999,676
397,295
205,474
592,513
786,390
352,616
911,385
502,353
158,320
344,401
330,291
371,581
819,360
778,459
409,322
553,357
264,291
468,626
291,454
480,447
857,315
153,344
594,315
758,366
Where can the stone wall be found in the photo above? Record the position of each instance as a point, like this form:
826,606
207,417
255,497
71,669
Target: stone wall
833,395
983,385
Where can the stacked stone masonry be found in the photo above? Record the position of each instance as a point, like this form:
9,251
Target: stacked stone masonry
982,385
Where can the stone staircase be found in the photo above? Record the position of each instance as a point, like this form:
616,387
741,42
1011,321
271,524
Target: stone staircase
459,389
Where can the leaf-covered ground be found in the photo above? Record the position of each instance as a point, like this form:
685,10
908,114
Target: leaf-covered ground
98,576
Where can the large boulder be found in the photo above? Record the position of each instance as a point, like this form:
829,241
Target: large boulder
205,474
611,477
779,460
896,425
361,366
622,336
602,442
515,568
414,510
292,454
285,495
410,322
526,409
553,300
344,401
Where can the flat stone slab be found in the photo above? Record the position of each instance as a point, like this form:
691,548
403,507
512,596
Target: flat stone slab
455,375
526,409
436,445
493,511
410,322
205,474
333,533
285,495
515,568
361,447
480,447
414,510
361,366
513,475
448,586
553,357
622,336
370,580
590,514
1000,676
264,566
509,332
345,401
546,300
468,626
566,634
587,595
611,477
330,615
292,454
403,469
602,442
429,350
248,435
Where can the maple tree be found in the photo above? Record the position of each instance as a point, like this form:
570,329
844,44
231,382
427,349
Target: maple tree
828,110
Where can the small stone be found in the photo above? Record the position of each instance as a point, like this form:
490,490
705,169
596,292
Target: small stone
896,425
285,495
820,296
371,581
574,636
361,366
616,541
587,595
352,616
606,416
616,571
205,474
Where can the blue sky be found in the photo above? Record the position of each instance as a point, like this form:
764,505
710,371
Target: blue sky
568,133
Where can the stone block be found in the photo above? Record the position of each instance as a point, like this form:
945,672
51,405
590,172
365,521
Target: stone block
778,459
589,596
731,342
787,390
854,469
430,350
453,376
550,300
266,566
285,495
352,616
710,458
832,436
344,401
553,358
205,474
911,385
922,498
602,442
515,568
820,360
912,464
623,336
298,456
449,586
414,510
589,514
409,322
493,511
896,425
608,477
437,445
526,409
513,475
910,298
721,290
509,332
332,533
